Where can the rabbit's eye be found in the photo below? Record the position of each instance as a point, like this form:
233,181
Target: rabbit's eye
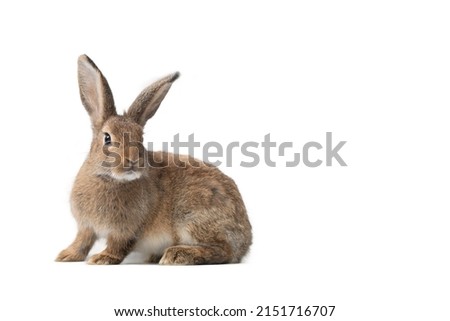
107,139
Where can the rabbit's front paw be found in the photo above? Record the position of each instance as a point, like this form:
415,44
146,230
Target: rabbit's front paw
69,255
104,259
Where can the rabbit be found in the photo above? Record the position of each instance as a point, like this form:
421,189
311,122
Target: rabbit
174,209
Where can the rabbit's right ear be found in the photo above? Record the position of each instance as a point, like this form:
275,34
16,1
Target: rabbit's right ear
95,93
147,103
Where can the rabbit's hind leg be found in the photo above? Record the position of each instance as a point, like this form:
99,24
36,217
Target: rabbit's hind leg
196,254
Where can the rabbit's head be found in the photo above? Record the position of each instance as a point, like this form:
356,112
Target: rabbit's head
117,151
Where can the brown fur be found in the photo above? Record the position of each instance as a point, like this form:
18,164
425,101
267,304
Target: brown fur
187,211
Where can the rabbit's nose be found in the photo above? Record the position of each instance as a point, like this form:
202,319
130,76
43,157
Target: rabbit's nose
130,163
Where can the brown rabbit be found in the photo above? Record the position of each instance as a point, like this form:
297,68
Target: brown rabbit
173,208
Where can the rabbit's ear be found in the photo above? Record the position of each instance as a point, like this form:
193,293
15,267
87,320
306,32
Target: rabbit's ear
95,93
148,101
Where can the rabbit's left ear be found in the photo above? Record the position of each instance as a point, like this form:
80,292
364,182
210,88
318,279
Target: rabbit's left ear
148,101
95,93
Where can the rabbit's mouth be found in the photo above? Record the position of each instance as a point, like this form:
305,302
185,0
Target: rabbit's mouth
127,176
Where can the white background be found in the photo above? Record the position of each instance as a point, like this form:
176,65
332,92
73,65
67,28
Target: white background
371,238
